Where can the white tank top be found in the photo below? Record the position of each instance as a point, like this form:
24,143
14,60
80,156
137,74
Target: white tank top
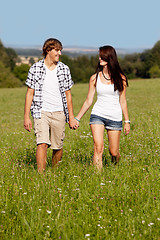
107,104
52,100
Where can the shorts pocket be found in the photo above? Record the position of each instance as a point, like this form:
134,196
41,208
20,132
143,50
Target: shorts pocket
37,126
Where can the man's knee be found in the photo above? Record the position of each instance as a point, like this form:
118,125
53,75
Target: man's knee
57,151
42,146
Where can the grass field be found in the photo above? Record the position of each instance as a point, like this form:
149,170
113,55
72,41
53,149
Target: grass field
74,201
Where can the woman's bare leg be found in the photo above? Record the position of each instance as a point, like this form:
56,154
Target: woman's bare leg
114,142
98,134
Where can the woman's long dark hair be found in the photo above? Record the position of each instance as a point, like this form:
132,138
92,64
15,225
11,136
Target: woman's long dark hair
108,54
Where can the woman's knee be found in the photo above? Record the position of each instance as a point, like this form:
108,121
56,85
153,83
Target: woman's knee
114,152
98,148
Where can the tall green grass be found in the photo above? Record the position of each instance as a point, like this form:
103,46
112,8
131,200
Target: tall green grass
75,201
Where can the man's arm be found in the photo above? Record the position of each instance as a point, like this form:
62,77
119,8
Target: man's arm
28,102
72,122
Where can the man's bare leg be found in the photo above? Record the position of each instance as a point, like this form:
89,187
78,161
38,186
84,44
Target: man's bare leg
56,156
41,156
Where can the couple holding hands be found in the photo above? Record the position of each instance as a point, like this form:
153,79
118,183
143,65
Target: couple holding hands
49,99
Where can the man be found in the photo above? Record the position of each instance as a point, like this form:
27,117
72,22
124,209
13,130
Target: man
49,99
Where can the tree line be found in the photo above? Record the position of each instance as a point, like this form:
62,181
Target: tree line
138,65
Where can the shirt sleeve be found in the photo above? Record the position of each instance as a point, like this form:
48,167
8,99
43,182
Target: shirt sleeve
30,81
68,80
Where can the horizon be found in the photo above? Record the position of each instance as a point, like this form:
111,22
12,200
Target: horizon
79,49
121,24
39,46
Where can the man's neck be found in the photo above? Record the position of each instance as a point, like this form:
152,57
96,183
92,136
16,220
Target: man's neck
50,64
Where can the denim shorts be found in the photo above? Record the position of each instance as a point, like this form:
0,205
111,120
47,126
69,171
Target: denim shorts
108,124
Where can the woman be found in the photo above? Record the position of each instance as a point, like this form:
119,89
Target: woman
110,83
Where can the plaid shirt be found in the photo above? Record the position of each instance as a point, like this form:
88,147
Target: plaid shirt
35,80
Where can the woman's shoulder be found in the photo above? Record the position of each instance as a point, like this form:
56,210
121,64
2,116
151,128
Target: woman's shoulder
92,81
93,78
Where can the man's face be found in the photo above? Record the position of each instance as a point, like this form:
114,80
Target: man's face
54,55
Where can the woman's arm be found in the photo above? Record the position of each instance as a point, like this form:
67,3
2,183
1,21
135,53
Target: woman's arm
89,100
123,104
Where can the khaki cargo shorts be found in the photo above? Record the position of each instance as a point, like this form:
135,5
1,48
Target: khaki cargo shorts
50,129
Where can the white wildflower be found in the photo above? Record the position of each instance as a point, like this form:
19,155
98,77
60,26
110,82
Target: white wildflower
87,235
150,224
102,184
49,212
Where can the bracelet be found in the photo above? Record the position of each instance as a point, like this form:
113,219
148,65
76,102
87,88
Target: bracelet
127,121
77,119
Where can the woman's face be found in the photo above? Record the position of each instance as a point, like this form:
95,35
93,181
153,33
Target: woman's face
102,62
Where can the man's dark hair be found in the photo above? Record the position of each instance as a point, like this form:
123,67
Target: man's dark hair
51,43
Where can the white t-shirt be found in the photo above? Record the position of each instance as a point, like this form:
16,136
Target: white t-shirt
52,100
107,104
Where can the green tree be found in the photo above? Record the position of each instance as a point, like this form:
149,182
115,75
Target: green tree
21,72
8,56
3,55
12,56
154,71
7,78
155,54
31,61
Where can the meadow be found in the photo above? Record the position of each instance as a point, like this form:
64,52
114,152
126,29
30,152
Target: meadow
74,200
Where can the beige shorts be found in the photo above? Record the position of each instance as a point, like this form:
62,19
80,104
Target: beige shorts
50,129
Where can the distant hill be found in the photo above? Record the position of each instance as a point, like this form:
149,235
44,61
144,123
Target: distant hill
73,51
28,52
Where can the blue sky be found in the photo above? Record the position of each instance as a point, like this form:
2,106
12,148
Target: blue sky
86,23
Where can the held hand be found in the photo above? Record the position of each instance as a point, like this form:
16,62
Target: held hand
73,123
77,124
126,128
27,124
